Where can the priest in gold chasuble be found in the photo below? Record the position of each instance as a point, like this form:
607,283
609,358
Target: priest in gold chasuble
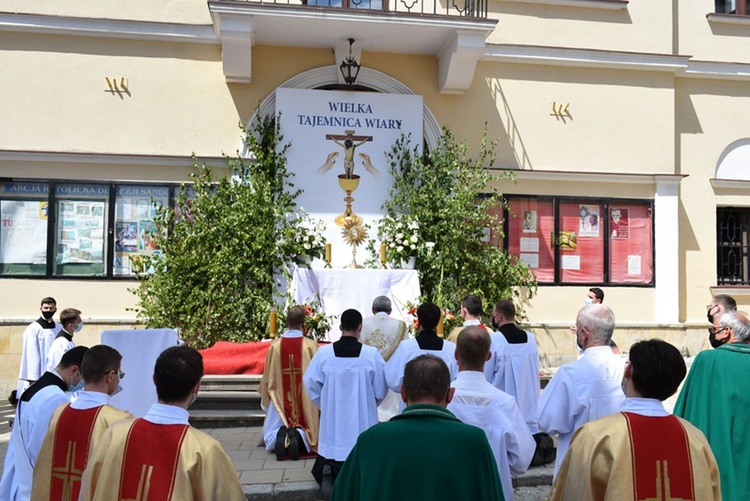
642,453
76,428
160,457
283,397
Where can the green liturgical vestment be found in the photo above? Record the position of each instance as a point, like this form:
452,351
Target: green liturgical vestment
423,453
716,399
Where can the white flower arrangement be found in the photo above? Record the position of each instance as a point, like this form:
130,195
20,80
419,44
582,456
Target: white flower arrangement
306,236
401,238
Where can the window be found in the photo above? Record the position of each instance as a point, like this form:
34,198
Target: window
738,7
582,241
732,242
61,229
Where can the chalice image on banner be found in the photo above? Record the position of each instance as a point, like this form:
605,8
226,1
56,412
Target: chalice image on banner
348,185
348,181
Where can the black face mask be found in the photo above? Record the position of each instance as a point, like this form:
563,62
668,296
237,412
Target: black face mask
47,314
494,324
710,317
715,343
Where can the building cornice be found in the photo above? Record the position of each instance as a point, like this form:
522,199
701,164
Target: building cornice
591,58
715,70
108,28
742,184
106,159
600,177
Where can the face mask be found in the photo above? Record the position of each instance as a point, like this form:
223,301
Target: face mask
80,326
77,387
622,387
715,343
47,314
588,300
494,324
118,389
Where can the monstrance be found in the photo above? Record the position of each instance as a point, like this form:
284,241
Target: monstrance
354,233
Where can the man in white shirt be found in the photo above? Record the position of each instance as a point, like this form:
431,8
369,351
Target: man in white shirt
516,358
384,333
37,339
478,403
33,415
427,342
345,380
588,388
70,318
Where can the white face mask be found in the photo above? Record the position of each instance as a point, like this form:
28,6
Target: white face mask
118,389
588,300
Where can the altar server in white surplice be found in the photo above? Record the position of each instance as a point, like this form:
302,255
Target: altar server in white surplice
37,338
516,362
478,403
384,333
33,415
426,342
588,388
346,381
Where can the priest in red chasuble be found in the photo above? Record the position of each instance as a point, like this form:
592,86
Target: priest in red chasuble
291,423
643,452
160,456
76,428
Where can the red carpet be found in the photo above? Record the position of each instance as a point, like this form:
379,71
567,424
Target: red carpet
235,358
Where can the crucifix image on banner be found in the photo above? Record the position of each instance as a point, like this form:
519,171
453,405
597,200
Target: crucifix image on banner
338,153
349,181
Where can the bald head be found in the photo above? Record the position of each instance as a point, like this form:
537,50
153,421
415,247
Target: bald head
472,348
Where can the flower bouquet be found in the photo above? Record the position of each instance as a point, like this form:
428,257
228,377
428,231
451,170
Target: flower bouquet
401,239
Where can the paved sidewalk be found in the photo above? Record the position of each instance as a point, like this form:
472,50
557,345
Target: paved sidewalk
264,478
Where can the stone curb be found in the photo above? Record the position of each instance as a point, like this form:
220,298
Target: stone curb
310,491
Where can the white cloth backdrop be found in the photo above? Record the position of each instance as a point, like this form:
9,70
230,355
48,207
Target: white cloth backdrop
139,349
339,290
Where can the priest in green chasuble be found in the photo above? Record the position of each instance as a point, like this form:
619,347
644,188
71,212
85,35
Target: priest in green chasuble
643,452
423,453
716,399
160,456
76,428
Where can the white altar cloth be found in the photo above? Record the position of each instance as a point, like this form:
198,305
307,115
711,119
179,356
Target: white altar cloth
339,290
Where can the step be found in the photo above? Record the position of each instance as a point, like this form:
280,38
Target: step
226,418
238,382
227,400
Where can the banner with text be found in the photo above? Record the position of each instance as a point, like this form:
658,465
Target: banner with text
339,141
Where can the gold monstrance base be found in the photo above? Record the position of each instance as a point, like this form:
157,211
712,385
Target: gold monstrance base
348,185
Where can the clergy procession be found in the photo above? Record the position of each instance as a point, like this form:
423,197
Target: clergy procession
387,416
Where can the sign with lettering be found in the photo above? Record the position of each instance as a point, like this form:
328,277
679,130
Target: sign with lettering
339,140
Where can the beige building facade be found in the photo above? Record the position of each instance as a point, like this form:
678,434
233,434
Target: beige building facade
600,107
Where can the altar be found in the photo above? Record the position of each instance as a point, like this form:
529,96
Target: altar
341,289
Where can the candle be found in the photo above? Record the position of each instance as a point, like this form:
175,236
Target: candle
328,253
440,326
382,253
272,327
